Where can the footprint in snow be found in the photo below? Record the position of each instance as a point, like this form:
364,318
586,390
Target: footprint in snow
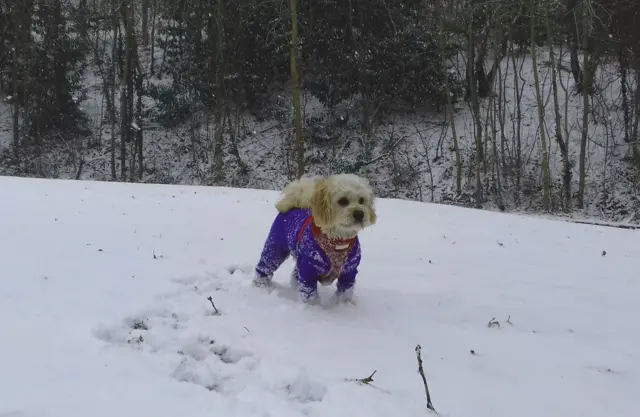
304,389
193,372
202,360
199,357
202,349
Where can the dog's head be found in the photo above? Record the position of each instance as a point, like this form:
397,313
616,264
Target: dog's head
342,205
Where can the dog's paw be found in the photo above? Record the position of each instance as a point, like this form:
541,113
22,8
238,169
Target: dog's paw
343,297
262,282
308,297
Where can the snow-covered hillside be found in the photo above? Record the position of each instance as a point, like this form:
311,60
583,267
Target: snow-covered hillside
412,156
104,300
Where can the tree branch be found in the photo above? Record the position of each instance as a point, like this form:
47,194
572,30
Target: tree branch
424,378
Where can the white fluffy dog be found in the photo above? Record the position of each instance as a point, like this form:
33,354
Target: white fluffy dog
318,224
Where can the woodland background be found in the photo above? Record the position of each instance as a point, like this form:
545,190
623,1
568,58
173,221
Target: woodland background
514,105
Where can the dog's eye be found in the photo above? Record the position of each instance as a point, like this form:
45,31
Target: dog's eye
361,200
343,201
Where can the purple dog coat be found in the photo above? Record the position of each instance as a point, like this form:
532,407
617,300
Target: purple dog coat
294,233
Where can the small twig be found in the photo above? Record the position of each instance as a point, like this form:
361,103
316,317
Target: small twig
368,380
213,305
493,322
424,378
509,320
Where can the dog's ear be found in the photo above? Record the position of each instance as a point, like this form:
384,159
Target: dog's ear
321,204
373,216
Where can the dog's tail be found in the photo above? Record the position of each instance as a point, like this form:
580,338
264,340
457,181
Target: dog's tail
297,194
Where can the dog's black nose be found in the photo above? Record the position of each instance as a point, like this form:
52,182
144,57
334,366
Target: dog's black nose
358,215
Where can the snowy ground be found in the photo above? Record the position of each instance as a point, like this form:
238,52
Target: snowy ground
105,311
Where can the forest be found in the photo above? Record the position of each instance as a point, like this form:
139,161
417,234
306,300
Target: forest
511,105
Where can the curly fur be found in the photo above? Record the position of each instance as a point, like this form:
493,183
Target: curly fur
333,201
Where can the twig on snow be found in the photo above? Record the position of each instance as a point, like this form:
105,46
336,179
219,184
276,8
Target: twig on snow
424,378
493,323
213,305
365,381
368,379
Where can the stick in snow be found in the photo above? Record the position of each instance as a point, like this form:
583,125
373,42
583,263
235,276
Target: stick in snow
366,380
424,378
213,305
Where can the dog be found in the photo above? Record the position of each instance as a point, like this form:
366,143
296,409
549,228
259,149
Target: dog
318,222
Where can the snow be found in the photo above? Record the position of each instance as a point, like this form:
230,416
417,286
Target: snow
104,300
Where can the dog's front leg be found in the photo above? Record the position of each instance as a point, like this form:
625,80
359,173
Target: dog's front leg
274,253
294,278
307,283
345,287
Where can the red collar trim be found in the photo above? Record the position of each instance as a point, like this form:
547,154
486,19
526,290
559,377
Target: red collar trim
323,239
338,244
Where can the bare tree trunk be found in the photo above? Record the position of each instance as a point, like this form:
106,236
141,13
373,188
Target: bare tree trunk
450,112
114,61
145,23
16,101
578,76
20,47
546,178
127,87
623,59
635,146
475,111
153,40
219,161
502,117
586,81
57,51
564,146
496,160
139,122
299,140
518,128
233,140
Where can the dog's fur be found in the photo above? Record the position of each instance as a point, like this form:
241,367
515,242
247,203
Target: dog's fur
340,207
333,201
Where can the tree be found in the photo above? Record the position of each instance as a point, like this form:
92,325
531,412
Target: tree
546,176
46,64
299,141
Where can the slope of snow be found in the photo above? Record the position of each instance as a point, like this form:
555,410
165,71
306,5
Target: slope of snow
104,299
421,165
